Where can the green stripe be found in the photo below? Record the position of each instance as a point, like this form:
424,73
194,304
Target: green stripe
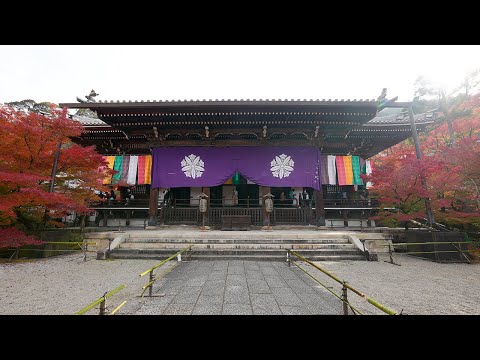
117,166
356,171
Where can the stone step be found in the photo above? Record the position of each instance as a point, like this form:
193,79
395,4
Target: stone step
244,245
235,235
199,240
280,258
164,253
252,257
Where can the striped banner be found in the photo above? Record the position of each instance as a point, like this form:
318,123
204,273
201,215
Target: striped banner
357,180
342,180
148,169
324,169
362,165
332,170
141,170
347,160
110,161
125,167
117,166
132,170
368,171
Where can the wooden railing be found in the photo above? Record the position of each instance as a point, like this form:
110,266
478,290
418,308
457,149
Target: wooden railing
278,203
242,203
291,216
215,214
182,215
135,203
278,217
351,203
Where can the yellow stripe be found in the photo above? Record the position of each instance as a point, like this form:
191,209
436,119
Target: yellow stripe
347,161
148,169
110,160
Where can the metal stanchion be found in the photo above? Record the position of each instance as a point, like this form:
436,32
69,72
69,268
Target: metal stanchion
85,245
103,305
150,288
391,257
345,299
288,258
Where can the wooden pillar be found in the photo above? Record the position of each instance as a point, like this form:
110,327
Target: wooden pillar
345,217
162,215
266,218
206,191
105,217
319,207
153,208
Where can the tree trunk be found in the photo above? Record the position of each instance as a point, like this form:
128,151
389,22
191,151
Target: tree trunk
450,129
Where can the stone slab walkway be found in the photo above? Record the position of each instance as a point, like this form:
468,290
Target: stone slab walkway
237,288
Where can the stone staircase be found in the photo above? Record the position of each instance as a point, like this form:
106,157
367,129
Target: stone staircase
242,245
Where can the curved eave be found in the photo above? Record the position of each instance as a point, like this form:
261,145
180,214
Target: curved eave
225,107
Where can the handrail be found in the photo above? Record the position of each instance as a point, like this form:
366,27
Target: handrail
430,243
327,288
164,261
152,279
70,242
82,245
101,301
118,308
457,249
345,285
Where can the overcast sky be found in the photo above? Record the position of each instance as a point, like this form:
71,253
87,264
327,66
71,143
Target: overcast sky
157,72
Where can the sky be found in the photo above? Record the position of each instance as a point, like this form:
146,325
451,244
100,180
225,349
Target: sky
60,73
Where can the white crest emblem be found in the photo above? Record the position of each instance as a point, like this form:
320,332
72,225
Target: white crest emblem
281,166
193,166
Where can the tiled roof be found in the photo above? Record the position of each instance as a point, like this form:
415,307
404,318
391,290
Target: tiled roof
402,119
234,100
86,120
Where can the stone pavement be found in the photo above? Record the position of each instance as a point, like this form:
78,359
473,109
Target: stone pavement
238,287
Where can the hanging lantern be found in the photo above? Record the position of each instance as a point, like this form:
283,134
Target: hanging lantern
236,178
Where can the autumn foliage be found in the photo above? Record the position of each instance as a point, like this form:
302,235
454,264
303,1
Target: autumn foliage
451,171
27,149
12,237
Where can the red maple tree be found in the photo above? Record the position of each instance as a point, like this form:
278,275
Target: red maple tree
27,150
451,170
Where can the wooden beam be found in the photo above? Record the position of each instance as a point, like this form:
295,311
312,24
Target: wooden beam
319,207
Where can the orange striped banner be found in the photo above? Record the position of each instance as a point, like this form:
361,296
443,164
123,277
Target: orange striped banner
340,170
148,169
110,160
347,160
141,170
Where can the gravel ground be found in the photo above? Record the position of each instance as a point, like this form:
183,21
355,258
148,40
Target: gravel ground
418,286
65,284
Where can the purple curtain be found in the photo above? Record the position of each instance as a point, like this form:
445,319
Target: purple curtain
207,166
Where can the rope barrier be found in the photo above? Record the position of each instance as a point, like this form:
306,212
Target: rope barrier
100,301
118,308
152,279
452,243
333,293
344,284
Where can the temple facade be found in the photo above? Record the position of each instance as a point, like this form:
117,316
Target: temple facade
308,156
